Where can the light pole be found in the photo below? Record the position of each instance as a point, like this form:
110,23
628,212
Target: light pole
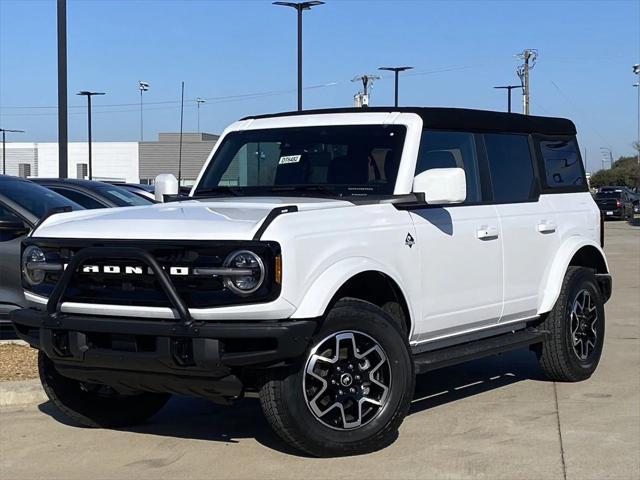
300,7
143,86
4,153
508,88
636,70
86,93
199,101
396,71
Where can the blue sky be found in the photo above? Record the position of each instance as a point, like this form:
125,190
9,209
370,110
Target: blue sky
225,49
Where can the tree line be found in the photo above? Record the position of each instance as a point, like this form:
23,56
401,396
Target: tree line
624,172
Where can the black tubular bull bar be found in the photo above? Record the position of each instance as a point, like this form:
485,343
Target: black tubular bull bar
118,253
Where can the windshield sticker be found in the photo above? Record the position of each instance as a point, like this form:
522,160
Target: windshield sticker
289,159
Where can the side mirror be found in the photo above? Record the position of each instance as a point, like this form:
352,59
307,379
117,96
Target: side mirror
441,186
165,184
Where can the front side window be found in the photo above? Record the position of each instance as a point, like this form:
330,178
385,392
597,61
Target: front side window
511,168
562,163
340,160
451,150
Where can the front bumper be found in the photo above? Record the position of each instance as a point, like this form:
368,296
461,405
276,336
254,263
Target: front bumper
199,358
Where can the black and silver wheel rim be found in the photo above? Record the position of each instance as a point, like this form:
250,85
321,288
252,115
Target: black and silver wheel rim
584,318
346,380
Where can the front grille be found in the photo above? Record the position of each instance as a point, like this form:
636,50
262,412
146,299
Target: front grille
131,283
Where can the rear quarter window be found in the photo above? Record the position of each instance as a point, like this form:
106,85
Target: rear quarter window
562,164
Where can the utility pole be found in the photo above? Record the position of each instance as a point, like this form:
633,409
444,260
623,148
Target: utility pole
636,70
63,133
508,88
529,56
300,8
88,94
396,71
143,86
4,152
362,98
199,101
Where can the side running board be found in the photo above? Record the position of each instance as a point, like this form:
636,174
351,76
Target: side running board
485,347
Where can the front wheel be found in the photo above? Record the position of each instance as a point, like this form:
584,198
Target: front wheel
576,324
351,391
93,405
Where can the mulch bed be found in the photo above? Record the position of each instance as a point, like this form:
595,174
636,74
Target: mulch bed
18,362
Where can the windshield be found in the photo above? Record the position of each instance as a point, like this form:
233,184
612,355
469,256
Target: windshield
337,160
123,197
34,198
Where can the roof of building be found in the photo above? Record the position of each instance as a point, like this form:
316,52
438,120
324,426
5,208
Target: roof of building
460,119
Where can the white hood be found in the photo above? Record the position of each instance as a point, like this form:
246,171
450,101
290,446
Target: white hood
213,219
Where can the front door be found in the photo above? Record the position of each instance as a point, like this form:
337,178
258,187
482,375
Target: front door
460,246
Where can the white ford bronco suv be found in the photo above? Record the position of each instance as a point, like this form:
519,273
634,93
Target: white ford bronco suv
322,260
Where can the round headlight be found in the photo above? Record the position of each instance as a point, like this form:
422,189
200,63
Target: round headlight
244,283
30,258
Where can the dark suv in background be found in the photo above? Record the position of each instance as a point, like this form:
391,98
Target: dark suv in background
615,202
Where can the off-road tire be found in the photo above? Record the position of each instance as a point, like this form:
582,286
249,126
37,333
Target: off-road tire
92,409
283,399
557,357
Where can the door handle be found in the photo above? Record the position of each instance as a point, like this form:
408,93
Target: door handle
547,227
487,233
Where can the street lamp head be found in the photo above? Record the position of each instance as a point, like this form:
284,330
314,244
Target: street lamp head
87,93
300,5
395,69
200,100
144,86
11,131
636,69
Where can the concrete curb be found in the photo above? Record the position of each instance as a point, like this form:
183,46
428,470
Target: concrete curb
23,392
14,342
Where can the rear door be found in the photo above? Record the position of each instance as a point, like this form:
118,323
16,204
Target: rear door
459,245
528,221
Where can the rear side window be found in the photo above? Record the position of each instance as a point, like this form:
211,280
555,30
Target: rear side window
562,163
511,167
450,150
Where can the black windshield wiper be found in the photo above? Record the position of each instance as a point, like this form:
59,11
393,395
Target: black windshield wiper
306,190
219,191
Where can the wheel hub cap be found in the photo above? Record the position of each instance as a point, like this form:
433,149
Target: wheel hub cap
346,380
583,318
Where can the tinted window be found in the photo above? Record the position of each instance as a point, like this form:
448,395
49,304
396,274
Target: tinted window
345,160
511,167
80,198
609,194
123,197
562,163
34,198
6,218
450,150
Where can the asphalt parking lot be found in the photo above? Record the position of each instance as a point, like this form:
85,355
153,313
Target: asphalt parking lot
493,418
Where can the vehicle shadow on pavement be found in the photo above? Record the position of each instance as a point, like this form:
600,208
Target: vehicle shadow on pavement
198,419
467,379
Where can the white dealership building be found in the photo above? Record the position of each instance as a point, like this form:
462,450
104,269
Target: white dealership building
130,162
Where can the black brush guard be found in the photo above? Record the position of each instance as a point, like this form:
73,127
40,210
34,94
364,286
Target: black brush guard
201,358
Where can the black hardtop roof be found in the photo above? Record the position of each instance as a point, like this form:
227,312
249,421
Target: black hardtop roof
460,119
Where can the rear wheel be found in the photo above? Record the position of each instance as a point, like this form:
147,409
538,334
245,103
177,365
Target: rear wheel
576,324
94,405
351,391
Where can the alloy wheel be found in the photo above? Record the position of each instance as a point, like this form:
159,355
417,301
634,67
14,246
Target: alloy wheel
583,318
346,380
